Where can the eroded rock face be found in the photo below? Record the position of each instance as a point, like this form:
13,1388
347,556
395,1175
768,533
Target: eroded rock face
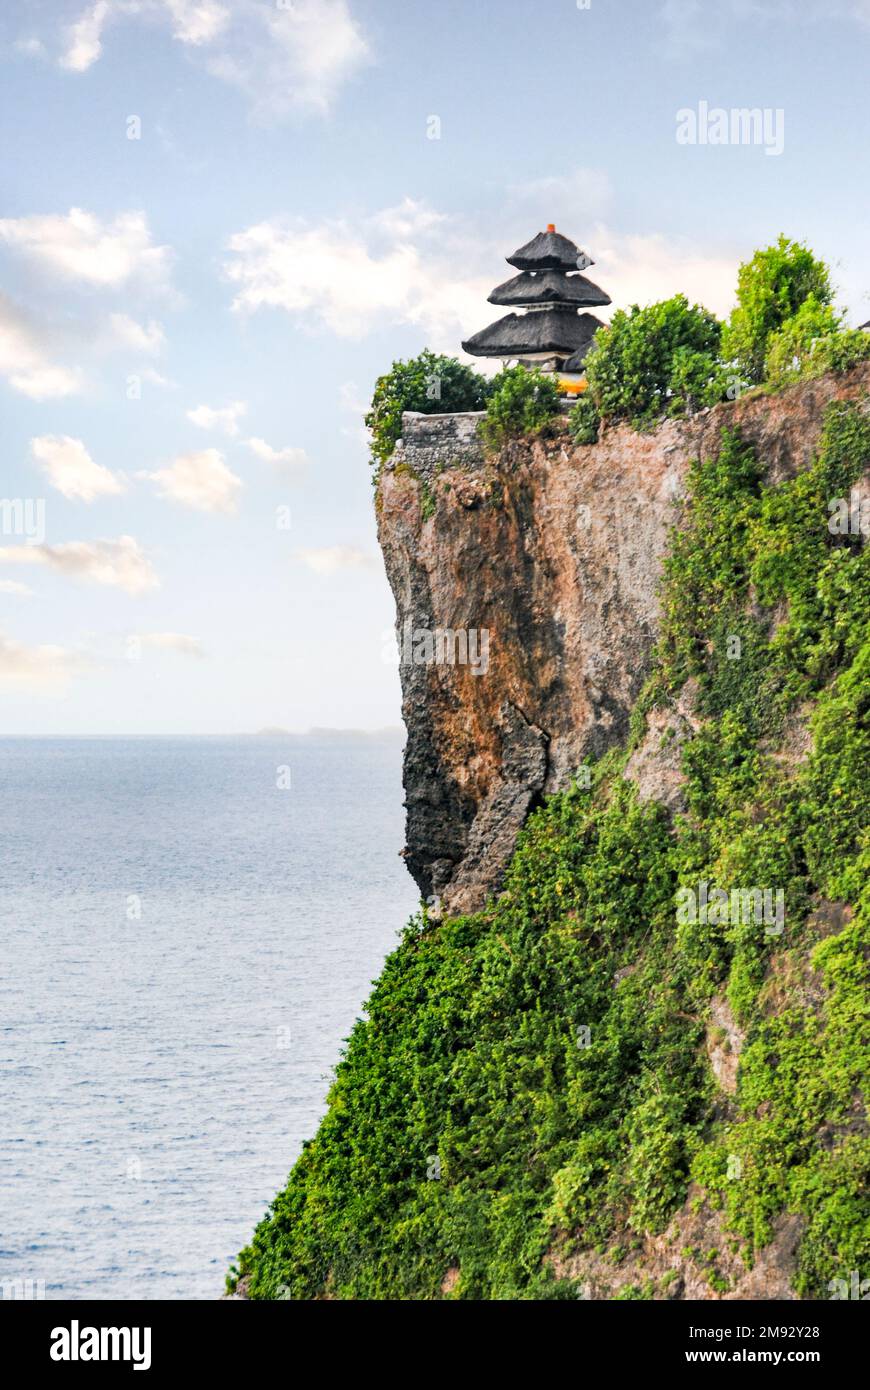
551,553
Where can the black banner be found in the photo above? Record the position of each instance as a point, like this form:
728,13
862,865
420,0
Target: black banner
234,1338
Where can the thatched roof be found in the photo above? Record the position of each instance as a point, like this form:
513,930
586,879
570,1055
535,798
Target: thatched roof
548,287
574,363
548,251
541,330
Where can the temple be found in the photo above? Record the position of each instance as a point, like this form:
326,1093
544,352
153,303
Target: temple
550,333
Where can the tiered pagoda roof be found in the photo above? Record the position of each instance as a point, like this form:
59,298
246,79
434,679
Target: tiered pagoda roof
551,290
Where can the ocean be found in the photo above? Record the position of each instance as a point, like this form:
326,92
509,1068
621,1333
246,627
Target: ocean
190,928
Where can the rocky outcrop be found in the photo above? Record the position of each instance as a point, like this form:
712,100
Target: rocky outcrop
526,594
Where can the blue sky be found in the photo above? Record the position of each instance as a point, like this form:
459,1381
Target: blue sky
191,321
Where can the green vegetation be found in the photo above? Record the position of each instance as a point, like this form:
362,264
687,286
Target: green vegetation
771,288
670,359
475,1128
429,383
521,402
790,346
661,360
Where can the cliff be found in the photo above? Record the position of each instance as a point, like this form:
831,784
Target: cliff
622,1057
556,553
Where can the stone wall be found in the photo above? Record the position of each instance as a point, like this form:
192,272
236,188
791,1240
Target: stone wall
430,444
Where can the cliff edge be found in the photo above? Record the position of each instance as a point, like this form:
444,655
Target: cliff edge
623,1056
554,552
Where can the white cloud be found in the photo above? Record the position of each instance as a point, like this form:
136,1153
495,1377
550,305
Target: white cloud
284,57
410,218
287,458
11,586
690,27
353,279
121,563
78,246
157,378
646,268
32,47
84,37
197,21
200,480
126,332
36,668
171,642
291,57
69,467
351,399
332,558
574,197
25,358
224,418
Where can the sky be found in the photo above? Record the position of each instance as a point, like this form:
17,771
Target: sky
221,220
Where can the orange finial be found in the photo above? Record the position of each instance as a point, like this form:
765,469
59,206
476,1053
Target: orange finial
551,226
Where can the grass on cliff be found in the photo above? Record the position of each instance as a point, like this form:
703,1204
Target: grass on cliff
476,1125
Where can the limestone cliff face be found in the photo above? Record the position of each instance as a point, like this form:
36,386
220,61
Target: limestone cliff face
526,594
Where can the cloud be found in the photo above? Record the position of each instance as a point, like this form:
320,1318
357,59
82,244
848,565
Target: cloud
120,564
224,418
171,642
157,379
645,268
37,668
200,480
197,21
32,47
690,27
25,358
286,458
332,558
84,37
573,197
69,467
78,246
293,57
285,57
11,586
353,279
351,400
126,332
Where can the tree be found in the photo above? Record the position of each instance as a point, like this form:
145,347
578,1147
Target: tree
660,360
790,347
521,402
770,290
431,383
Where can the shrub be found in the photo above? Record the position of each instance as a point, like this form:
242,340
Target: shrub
837,353
584,421
789,349
431,383
770,290
661,360
522,402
